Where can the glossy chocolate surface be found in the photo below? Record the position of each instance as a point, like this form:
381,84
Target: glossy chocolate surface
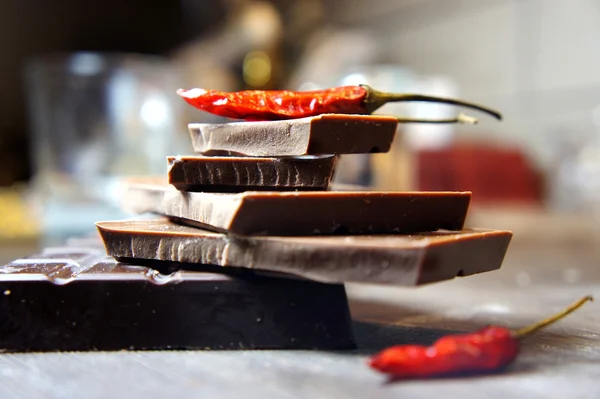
324,134
236,174
303,213
392,259
76,298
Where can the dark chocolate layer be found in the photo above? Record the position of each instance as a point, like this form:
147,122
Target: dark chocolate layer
303,213
324,134
236,174
76,298
398,259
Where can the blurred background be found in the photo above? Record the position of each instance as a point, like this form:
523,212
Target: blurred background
88,96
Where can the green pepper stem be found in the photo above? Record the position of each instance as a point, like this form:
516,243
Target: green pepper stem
460,118
534,327
376,99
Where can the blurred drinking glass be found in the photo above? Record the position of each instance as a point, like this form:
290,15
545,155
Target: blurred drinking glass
95,118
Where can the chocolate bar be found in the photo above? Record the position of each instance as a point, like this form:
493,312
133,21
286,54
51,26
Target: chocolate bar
396,259
77,298
324,134
305,212
235,174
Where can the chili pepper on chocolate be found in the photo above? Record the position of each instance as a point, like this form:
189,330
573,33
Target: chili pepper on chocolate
488,349
284,104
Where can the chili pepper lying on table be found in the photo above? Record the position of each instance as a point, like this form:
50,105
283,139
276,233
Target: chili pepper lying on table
259,105
488,349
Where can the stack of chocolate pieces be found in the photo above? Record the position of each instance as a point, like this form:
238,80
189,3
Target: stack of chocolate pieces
251,248
258,197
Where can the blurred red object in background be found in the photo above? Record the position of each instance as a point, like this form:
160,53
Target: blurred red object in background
494,174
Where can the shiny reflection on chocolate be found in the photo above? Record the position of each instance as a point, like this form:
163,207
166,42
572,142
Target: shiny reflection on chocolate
76,298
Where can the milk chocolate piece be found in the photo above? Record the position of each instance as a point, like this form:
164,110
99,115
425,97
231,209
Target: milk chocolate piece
394,259
306,212
324,134
75,298
235,174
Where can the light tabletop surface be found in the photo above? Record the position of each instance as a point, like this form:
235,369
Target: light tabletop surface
536,280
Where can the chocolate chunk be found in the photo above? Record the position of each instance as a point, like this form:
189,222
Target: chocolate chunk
398,259
306,212
234,174
324,134
74,298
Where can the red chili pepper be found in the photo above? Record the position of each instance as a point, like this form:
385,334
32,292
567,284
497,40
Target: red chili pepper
488,349
284,104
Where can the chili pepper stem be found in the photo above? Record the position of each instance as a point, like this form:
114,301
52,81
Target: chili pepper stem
460,118
535,327
376,99
466,119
